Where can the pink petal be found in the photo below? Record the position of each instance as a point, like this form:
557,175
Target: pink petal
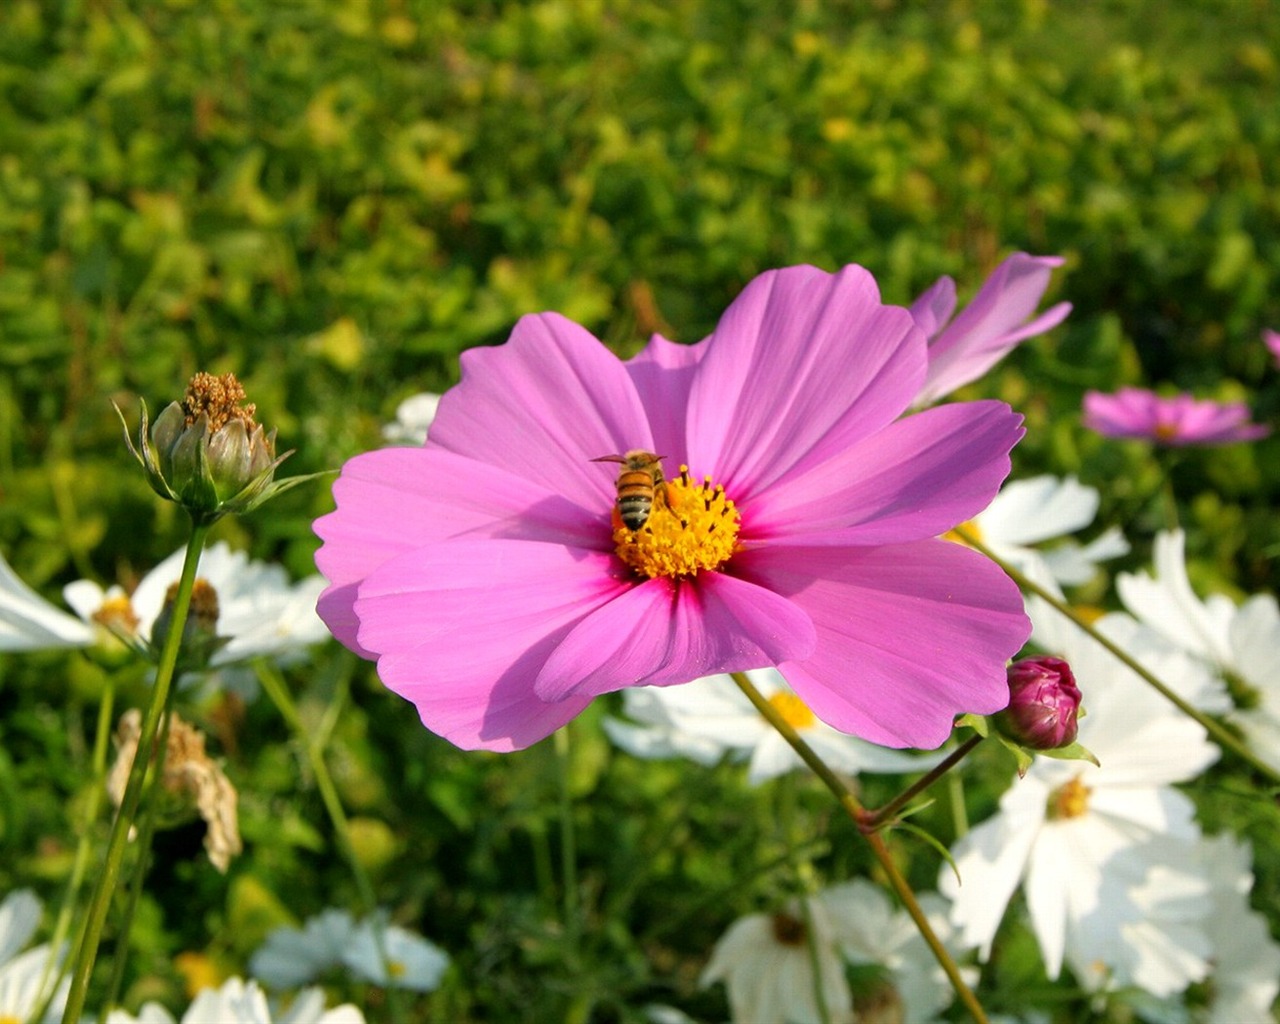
663,375
917,478
935,305
397,499
664,632
463,628
803,363
543,406
992,324
909,635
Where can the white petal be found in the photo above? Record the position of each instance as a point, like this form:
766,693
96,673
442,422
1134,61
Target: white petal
30,623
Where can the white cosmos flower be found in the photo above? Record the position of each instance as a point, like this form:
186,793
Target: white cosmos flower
1029,512
293,956
869,930
259,611
711,718
30,623
1246,977
22,973
1246,972
413,417
411,961
1243,641
767,965
238,1002
1067,829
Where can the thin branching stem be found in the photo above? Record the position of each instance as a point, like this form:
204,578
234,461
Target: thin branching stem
84,847
104,889
878,846
313,745
150,811
568,838
890,810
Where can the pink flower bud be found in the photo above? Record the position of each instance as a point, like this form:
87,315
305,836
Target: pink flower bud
1043,702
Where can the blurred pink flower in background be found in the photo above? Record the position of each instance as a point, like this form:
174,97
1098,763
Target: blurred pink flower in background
1178,421
1272,341
485,571
989,327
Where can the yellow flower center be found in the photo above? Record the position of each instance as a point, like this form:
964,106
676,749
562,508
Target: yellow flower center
970,527
396,969
6,1018
793,710
117,614
695,528
1070,800
1165,431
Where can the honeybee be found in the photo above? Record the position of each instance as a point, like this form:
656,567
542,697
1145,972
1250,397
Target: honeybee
640,485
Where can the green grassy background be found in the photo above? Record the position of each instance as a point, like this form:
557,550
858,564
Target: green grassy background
334,199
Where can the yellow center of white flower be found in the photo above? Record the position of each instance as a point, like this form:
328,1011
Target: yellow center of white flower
395,968
970,527
694,528
1070,800
794,711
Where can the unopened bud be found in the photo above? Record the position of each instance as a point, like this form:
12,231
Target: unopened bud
207,453
1044,703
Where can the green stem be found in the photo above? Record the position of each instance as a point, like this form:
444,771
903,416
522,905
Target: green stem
568,840
878,847
1219,732
815,962
84,846
273,683
91,937
146,830
880,815
1168,499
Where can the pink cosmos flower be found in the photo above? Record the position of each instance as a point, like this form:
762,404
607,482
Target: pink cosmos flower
990,326
1176,422
1272,341
490,575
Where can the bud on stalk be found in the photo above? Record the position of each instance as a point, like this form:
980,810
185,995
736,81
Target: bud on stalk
1044,703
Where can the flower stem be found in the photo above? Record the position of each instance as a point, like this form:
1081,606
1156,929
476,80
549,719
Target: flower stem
568,840
1219,732
146,829
878,846
815,963
84,846
100,902
313,744
880,815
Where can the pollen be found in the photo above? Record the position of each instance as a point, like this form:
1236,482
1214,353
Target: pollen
694,528
1070,800
793,710
218,398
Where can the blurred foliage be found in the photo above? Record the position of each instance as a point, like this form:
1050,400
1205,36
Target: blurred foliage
333,199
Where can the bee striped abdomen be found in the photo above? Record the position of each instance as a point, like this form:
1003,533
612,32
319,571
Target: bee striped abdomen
640,485
635,498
